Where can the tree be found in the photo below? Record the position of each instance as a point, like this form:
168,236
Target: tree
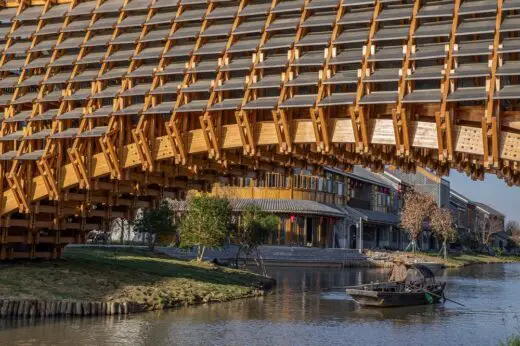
485,227
416,209
122,225
513,228
442,225
254,229
206,223
156,222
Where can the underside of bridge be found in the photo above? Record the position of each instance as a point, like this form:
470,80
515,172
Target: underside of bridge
111,105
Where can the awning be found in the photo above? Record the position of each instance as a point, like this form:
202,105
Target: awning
370,216
280,206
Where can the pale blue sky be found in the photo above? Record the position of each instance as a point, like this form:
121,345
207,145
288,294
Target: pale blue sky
492,191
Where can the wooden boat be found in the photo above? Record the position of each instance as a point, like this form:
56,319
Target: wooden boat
392,294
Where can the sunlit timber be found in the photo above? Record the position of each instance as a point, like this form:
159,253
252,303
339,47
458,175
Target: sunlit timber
112,105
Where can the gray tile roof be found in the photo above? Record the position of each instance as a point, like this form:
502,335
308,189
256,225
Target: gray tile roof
288,206
361,173
379,217
366,174
460,196
276,206
488,209
370,215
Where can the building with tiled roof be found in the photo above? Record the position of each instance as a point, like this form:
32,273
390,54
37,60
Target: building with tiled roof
477,223
357,209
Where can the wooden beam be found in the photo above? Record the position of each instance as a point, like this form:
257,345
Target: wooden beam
174,125
443,118
491,123
207,120
245,125
145,129
400,115
317,114
358,115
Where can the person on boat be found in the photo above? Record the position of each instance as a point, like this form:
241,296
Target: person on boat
399,271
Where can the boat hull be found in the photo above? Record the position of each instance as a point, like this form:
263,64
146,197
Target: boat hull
394,299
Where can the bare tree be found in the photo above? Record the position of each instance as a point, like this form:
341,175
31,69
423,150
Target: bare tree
416,209
254,229
513,228
442,225
485,227
122,225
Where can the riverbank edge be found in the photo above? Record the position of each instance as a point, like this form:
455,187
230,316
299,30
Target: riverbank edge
370,262
32,307
454,260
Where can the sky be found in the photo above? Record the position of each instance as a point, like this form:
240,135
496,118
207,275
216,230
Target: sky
492,191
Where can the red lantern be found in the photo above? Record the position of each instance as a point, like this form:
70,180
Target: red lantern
293,218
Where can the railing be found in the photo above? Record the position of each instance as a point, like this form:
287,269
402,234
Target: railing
360,203
278,193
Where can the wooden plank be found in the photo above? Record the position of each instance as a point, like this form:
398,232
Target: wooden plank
303,131
424,135
510,146
468,140
382,131
231,137
265,133
196,142
342,131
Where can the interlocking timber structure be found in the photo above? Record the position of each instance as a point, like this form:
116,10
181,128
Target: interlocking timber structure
111,105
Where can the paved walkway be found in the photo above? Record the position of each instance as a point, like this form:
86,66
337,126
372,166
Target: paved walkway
287,255
274,255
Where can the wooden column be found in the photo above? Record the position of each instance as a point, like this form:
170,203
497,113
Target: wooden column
360,236
305,231
288,232
319,231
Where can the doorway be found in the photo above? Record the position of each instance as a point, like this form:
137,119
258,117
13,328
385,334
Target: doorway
353,237
308,232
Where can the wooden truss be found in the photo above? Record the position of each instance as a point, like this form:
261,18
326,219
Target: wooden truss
110,105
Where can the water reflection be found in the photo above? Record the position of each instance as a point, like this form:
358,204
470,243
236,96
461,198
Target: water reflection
299,313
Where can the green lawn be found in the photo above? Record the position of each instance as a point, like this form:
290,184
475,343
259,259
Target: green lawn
96,274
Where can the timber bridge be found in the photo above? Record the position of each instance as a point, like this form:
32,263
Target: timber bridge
111,105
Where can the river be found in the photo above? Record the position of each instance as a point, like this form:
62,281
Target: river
297,313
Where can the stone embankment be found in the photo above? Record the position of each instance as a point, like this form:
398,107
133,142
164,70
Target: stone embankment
31,308
39,308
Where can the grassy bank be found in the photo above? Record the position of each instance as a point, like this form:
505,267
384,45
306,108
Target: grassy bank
455,259
133,276
513,340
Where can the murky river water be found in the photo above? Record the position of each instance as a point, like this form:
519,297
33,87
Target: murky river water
297,313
